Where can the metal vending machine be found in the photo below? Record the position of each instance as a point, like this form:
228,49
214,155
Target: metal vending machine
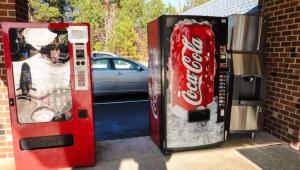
50,94
187,81
245,47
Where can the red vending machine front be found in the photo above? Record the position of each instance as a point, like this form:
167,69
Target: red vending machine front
50,94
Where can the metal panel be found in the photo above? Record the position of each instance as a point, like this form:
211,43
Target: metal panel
244,118
245,33
252,117
247,64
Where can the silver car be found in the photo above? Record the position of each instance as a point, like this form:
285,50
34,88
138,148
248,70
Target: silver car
113,74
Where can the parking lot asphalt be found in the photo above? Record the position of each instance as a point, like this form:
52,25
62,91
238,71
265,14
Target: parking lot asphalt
121,116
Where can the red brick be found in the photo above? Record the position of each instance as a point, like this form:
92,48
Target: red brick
284,44
287,81
6,149
295,116
292,137
7,19
294,26
286,33
284,54
290,109
3,13
12,13
294,3
282,17
269,4
284,6
297,123
285,102
290,98
296,94
296,32
284,123
291,38
2,138
278,2
294,66
281,85
277,13
275,44
296,43
296,71
279,49
280,96
7,6
289,60
289,21
274,8
294,15
3,155
289,10
10,155
277,23
297,83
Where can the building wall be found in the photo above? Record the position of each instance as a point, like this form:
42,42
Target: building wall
282,108
10,10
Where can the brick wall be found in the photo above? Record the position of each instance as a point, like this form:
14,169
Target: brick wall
282,114
10,10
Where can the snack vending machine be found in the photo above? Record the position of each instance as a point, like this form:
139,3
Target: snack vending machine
50,94
188,84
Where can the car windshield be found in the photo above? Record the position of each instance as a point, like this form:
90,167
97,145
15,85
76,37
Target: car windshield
100,64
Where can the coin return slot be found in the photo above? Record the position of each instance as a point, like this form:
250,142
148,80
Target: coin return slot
45,142
199,115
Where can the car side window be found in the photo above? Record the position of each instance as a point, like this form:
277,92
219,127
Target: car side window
124,65
101,64
100,55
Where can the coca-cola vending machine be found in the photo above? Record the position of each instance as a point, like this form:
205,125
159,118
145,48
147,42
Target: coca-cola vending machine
188,81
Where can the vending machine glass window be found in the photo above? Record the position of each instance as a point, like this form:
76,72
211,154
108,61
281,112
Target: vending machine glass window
41,72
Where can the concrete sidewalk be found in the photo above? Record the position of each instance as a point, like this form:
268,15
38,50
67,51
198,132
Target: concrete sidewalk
141,154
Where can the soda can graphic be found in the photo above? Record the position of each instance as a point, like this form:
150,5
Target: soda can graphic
192,65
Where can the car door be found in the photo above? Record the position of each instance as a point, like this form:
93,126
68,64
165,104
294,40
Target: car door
128,77
103,77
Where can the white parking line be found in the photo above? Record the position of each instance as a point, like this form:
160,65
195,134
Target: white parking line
134,101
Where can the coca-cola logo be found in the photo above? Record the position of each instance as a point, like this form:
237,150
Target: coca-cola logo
193,94
154,86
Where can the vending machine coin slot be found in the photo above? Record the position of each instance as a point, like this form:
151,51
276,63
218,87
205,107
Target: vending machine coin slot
80,67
